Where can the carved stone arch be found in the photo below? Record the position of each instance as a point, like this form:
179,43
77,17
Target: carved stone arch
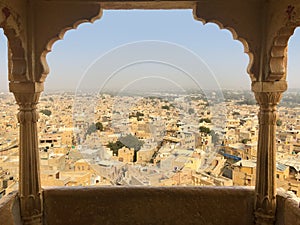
233,18
11,24
235,37
278,53
58,37
61,26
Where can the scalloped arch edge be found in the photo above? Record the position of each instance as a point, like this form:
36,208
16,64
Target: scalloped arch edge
278,52
235,36
60,36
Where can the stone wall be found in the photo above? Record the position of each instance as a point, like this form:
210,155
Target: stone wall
147,205
288,211
10,210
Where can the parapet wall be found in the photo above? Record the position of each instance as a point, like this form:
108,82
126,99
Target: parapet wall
10,210
149,206
288,211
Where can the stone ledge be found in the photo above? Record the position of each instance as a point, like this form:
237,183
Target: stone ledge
149,205
288,211
10,210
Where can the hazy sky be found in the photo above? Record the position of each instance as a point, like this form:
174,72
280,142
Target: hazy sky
149,50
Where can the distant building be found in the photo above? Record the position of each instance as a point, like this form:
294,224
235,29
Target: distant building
126,155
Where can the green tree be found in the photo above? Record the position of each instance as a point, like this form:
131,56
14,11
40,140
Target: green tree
131,141
99,126
245,141
46,112
128,141
279,123
204,129
137,115
206,120
236,114
115,146
165,107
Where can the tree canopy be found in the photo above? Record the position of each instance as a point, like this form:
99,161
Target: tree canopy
279,122
99,126
165,107
115,146
128,141
204,129
46,112
131,141
206,120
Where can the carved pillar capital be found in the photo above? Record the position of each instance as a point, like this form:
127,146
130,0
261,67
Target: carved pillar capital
27,95
268,95
268,102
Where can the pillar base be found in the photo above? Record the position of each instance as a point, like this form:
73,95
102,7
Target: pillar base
264,219
33,220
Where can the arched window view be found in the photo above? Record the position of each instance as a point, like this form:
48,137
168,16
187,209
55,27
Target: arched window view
288,163
172,112
150,108
9,153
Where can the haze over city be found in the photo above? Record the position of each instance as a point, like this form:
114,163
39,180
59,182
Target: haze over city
149,50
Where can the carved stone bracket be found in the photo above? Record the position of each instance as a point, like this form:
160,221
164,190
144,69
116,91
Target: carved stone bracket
268,95
221,15
10,21
289,21
278,57
27,96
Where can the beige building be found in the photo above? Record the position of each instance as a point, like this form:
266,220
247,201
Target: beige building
52,161
82,165
125,155
204,179
244,173
145,155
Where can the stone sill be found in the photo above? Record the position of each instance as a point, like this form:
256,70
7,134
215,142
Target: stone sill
151,205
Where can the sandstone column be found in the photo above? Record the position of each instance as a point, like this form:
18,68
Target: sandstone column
27,95
268,95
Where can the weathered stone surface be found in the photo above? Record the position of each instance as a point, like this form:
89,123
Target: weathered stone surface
288,211
10,210
144,205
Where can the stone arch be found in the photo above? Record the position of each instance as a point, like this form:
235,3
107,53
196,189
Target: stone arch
74,25
235,37
278,53
10,23
59,36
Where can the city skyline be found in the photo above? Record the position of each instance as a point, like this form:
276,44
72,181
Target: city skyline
149,49
151,140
